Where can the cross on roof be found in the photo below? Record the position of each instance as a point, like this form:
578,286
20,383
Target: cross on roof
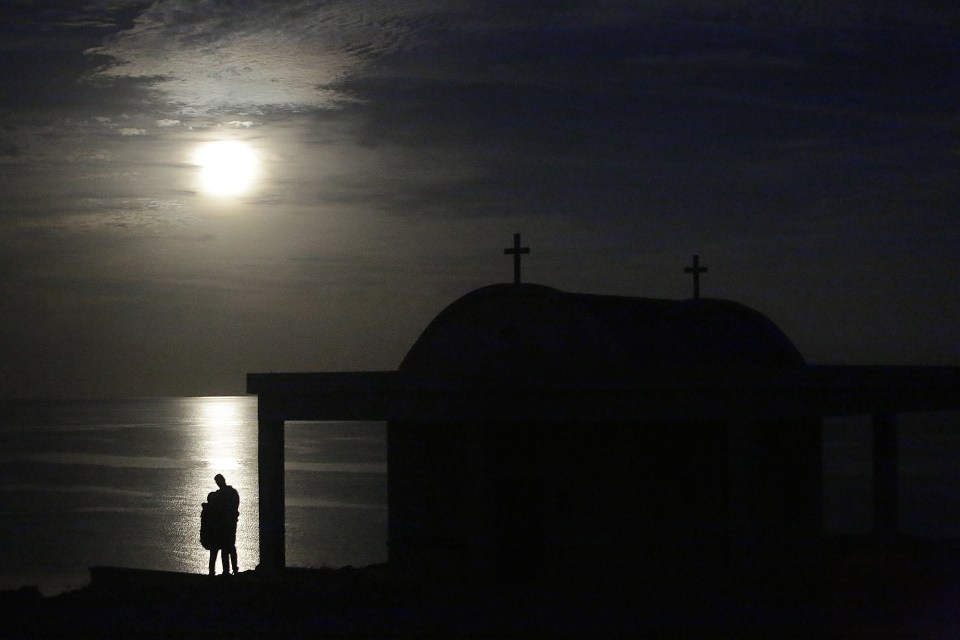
696,270
516,252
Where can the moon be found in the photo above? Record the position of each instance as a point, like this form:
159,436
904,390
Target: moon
228,168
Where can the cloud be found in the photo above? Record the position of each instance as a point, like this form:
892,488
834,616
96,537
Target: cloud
128,215
213,55
132,131
258,56
167,123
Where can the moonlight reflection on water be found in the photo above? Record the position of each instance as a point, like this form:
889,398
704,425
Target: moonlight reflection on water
120,483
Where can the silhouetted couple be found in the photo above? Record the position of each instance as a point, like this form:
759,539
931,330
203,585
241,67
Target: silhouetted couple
218,525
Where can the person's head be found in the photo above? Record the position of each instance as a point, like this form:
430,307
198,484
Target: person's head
220,481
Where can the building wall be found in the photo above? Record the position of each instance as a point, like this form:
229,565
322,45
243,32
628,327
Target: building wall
776,495
616,504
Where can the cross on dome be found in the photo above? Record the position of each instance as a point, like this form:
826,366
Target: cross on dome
696,270
516,251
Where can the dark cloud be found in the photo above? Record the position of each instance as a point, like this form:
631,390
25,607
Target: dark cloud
690,120
38,16
42,44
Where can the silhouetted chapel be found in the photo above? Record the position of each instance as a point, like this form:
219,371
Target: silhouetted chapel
541,436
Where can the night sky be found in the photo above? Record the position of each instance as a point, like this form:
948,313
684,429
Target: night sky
375,158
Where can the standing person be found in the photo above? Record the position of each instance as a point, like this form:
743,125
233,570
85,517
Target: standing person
227,504
211,530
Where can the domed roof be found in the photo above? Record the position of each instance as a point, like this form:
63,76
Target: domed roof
510,331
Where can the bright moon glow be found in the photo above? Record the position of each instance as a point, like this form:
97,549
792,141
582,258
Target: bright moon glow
221,422
228,168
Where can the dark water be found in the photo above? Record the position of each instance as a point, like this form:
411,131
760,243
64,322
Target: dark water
929,470
121,482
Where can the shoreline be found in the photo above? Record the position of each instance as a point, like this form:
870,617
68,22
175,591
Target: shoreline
861,588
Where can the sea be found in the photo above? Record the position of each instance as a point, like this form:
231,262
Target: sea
120,483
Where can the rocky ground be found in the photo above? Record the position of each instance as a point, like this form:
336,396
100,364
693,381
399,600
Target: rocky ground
861,590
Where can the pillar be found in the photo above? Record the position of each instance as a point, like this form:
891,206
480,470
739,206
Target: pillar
270,480
886,490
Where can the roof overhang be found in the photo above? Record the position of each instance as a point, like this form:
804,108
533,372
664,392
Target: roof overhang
676,395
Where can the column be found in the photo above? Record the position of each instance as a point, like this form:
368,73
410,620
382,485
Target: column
886,490
270,479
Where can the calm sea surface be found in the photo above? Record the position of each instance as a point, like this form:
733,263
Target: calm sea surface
929,470
120,483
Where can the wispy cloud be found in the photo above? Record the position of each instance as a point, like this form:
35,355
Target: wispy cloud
145,216
210,55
